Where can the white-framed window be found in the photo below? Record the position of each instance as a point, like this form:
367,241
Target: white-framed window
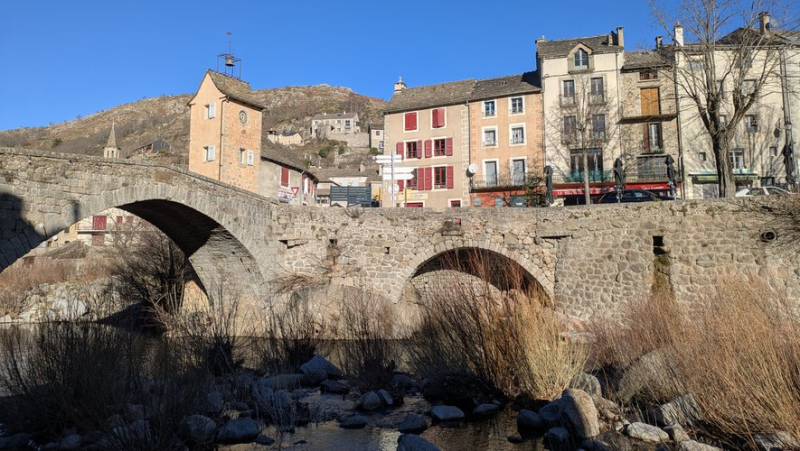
517,134
489,137
209,151
597,90
516,105
737,159
518,168
489,108
439,177
773,151
568,92
211,111
250,158
581,59
490,172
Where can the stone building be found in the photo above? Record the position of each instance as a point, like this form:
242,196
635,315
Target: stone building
284,176
285,137
323,125
111,150
505,123
376,136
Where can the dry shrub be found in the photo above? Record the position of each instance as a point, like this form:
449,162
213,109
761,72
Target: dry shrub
508,340
17,280
737,351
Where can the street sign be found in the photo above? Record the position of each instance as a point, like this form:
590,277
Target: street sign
399,170
388,177
394,189
387,159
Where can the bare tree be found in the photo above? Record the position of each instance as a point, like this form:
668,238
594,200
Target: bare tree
746,60
580,126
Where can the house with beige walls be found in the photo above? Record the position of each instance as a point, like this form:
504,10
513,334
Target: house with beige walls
506,127
428,127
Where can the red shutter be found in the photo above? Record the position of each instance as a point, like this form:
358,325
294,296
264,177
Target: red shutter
400,184
411,121
419,148
438,118
428,179
449,147
284,176
428,148
400,150
449,177
99,222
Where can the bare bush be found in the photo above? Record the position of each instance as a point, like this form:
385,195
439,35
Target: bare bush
17,281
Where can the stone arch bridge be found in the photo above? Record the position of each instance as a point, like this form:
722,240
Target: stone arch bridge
587,260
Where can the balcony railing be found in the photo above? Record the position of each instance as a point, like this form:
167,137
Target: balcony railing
504,181
594,177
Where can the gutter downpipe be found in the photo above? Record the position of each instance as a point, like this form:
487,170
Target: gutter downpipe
221,135
787,110
681,166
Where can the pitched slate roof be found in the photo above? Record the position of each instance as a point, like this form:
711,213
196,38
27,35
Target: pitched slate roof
235,89
430,96
334,116
562,47
505,86
284,156
645,59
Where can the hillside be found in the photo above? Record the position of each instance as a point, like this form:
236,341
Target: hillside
142,122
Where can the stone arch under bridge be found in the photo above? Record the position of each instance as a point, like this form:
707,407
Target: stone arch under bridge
210,222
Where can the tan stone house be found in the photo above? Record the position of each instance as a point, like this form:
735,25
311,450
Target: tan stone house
506,126
428,127
323,125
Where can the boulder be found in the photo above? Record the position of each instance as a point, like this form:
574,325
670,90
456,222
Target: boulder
354,422
579,413
447,413
691,445
335,387
197,429
551,413
676,433
369,401
264,440
528,420
646,432
70,442
557,439
775,441
413,423
484,410
240,430
320,363
411,442
650,370
215,402
587,383
386,398
682,410
314,377
402,381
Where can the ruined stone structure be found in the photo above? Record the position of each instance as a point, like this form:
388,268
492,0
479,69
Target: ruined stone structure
588,260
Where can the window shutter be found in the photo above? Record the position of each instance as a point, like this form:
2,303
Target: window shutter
400,149
449,147
646,137
428,179
400,184
284,176
419,148
411,121
449,177
211,152
428,148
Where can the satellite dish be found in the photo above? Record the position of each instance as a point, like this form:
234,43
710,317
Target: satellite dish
472,169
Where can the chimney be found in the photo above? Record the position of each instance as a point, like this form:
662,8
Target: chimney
399,86
620,37
658,42
763,22
678,35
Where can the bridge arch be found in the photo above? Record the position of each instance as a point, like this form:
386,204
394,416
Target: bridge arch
444,254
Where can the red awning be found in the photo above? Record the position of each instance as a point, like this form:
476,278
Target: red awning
577,191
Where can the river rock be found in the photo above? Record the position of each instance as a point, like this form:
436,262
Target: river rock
682,410
595,445
354,422
587,383
215,402
484,410
579,412
676,433
413,423
447,413
402,381
197,429
649,370
691,445
551,413
70,442
264,440
15,441
776,441
284,381
369,401
411,442
528,420
646,432
557,438
314,377
319,362
335,387
240,430
386,397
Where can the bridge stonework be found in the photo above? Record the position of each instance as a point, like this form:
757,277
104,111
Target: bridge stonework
588,260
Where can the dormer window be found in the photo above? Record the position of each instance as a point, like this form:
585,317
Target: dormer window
581,59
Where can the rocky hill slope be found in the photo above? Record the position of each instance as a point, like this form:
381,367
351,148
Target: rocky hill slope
167,118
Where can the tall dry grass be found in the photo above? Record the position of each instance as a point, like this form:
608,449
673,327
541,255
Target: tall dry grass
737,351
509,340
17,281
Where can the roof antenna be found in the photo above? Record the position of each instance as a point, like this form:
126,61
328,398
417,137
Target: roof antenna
229,62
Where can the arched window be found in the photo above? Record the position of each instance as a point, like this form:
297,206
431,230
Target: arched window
581,59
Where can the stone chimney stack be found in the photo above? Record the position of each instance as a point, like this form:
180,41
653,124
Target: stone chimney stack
763,23
399,86
620,37
678,34
658,42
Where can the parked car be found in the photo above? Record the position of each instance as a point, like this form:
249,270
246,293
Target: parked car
632,195
762,191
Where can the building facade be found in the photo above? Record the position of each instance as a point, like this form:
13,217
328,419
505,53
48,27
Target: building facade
323,125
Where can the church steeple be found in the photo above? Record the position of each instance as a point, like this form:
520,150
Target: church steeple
111,150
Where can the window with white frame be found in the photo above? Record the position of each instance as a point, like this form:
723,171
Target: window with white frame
439,147
489,109
581,59
489,137
597,90
440,177
211,111
209,152
737,159
518,134
568,92
517,105
518,171
490,172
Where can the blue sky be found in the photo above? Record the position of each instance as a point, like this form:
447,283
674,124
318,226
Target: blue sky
63,59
